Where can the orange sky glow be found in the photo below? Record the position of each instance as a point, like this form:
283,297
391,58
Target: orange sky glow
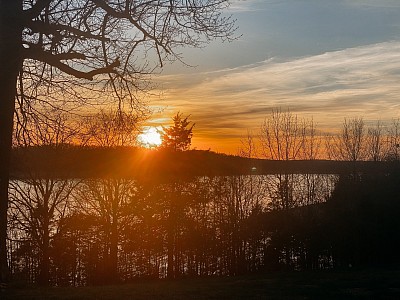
333,60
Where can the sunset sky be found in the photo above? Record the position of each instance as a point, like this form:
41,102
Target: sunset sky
321,58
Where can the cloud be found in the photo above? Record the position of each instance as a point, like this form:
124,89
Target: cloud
244,5
362,81
374,3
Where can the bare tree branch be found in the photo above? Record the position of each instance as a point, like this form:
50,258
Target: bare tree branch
36,9
42,27
55,61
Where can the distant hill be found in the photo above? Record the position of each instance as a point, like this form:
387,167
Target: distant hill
81,162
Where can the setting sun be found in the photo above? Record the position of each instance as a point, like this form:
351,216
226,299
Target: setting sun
150,137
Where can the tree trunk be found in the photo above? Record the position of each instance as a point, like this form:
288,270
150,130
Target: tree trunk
113,263
170,250
45,259
10,61
171,232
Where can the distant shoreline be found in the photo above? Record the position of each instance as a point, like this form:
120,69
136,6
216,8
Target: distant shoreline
130,162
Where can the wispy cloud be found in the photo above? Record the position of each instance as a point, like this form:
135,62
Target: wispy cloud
374,3
362,81
245,5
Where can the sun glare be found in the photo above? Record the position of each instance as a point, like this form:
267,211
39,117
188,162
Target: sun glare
150,137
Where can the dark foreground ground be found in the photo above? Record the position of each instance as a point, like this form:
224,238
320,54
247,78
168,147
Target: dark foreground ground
351,284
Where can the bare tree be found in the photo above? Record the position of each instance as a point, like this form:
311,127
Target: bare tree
248,146
37,206
393,150
40,200
111,202
282,136
311,148
350,143
57,129
375,146
50,49
110,129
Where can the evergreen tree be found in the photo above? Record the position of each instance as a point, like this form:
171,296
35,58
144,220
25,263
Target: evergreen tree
179,136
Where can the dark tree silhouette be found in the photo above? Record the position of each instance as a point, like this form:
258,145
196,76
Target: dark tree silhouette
350,143
110,129
393,141
111,202
179,136
51,48
282,138
40,201
39,206
364,220
176,138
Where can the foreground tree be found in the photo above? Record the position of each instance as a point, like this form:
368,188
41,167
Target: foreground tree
50,48
178,137
110,200
110,203
40,200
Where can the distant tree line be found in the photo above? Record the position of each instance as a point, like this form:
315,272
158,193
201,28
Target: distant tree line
286,136
107,229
